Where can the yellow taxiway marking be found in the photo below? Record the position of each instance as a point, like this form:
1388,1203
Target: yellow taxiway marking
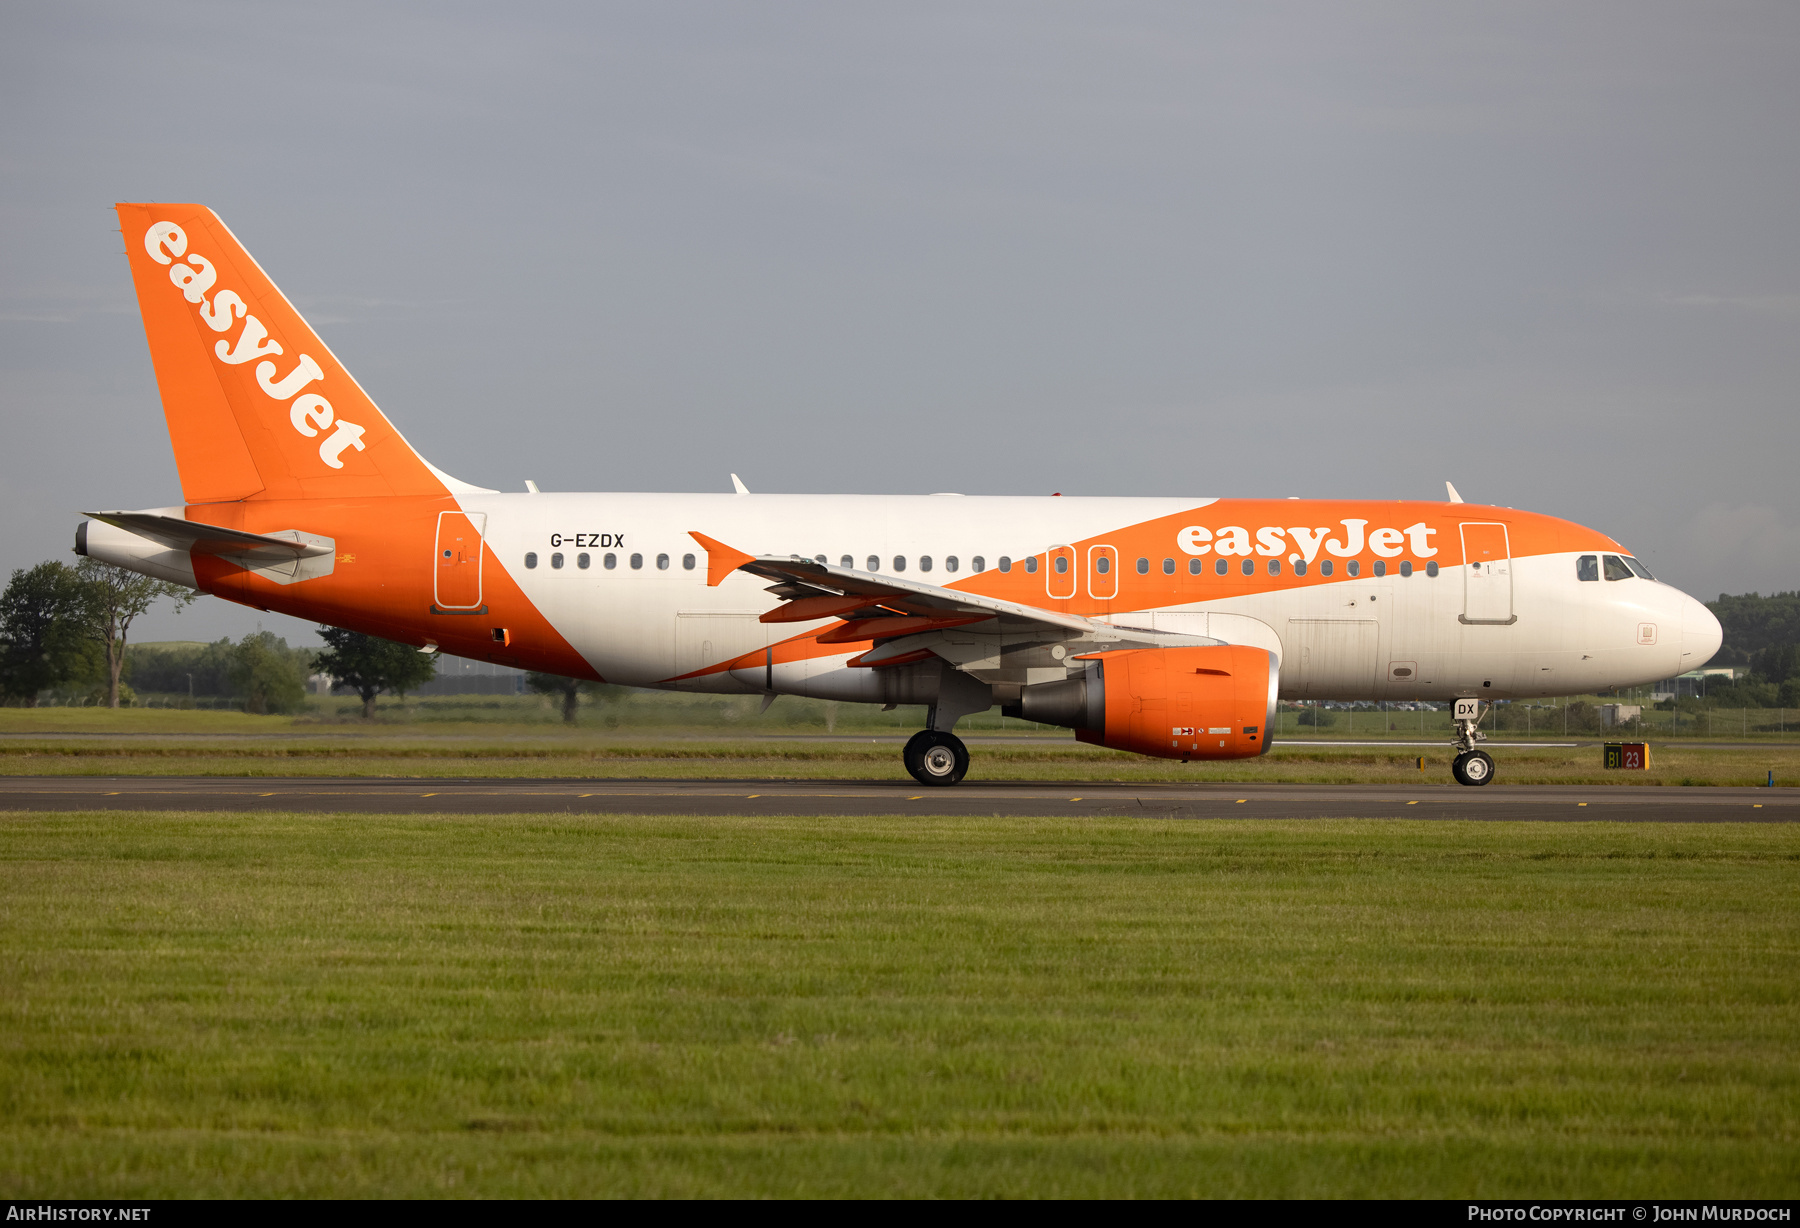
268,795
1074,799
1242,800
1581,803
427,795
1412,803
748,796
1756,805
919,798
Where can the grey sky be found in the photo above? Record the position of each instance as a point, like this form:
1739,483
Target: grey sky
1547,251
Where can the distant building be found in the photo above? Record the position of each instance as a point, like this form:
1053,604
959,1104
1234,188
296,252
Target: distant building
1619,714
458,676
455,676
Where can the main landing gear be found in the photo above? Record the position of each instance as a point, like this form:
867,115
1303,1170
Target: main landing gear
936,758
1471,766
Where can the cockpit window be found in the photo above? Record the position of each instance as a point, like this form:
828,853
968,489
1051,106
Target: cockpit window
1587,567
1638,569
1616,569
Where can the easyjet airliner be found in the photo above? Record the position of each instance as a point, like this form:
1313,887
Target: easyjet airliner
1165,626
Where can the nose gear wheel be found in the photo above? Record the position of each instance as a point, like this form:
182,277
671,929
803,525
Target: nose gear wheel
1475,767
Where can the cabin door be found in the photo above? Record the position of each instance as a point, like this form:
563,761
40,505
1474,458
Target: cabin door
1487,575
457,582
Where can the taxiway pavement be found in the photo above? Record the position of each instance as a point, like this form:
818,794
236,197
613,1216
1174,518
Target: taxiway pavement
1628,804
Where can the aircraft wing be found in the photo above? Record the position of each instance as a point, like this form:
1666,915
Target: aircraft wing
179,534
907,618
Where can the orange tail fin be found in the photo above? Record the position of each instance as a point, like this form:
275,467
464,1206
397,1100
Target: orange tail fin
257,406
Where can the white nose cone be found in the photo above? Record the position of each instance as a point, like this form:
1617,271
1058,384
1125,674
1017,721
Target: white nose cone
1701,635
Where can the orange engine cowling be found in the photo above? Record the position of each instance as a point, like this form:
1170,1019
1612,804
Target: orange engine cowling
1212,702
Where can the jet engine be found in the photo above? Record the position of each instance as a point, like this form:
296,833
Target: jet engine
1214,702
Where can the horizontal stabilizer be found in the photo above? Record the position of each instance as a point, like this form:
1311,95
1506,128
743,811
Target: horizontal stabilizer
179,534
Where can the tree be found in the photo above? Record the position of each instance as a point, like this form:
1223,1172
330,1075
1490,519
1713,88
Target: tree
370,665
114,597
45,635
570,689
268,674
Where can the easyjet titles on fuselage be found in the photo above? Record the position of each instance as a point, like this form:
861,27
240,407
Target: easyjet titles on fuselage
1270,543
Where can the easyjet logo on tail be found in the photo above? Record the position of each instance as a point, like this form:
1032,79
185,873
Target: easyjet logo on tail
1271,542
310,414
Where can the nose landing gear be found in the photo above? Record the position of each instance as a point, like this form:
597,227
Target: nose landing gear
935,758
1471,766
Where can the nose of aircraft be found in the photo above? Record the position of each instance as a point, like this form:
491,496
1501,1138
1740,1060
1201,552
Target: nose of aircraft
1701,634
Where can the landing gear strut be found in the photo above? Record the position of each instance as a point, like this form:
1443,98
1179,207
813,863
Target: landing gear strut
1471,766
936,758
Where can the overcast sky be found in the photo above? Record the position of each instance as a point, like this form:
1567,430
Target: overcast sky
1550,252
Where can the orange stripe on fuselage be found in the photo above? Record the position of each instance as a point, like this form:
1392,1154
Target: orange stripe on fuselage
381,581
1155,540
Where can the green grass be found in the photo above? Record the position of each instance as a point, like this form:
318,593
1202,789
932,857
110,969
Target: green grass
411,754
355,1005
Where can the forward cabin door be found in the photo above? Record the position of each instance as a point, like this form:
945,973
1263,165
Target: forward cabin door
1487,575
457,579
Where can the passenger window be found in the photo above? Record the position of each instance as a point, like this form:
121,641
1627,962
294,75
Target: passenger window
1062,564
1274,567
637,562
687,562
1005,564
609,561
1168,567
1249,567
1195,567
899,562
583,559
556,561
1221,566
1615,568
978,564
1353,567
530,559
1431,568
1299,567
1642,572
874,563
1325,567
1380,567
820,560
1406,567
1031,566
950,563
1587,567
662,562
924,562
847,563
1143,566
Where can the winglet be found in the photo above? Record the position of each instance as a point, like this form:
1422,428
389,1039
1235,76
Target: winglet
1454,497
737,485
721,560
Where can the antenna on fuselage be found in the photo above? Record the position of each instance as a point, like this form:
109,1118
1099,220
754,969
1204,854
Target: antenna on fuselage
1454,497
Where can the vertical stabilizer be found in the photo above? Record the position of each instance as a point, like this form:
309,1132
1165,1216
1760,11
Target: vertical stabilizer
257,406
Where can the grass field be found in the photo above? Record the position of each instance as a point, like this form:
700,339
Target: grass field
275,1005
